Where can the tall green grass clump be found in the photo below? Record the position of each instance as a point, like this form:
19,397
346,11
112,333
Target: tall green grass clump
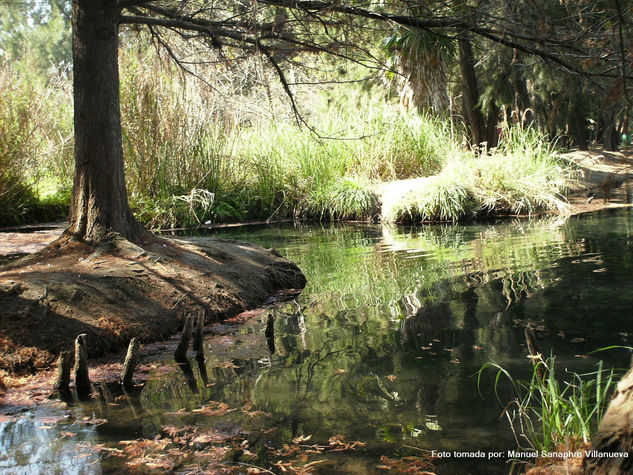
182,139
16,129
328,172
350,197
549,412
194,154
35,145
521,176
175,151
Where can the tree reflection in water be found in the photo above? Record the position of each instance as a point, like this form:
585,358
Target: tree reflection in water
48,442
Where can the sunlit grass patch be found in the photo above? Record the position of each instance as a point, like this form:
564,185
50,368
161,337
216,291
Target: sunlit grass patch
34,138
180,136
445,197
522,176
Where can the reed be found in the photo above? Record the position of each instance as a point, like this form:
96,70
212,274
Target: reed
555,411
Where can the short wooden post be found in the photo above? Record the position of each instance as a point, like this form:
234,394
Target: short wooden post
197,337
130,363
270,333
181,350
82,380
63,372
198,347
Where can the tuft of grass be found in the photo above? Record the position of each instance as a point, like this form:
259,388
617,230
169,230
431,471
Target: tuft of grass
187,210
16,146
350,197
551,412
522,176
445,197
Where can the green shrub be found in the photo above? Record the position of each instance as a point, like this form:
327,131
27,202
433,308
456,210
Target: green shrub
445,197
350,197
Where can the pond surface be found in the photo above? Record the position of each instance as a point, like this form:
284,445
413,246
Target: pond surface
382,347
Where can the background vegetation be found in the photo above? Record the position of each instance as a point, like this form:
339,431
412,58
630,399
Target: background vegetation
225,145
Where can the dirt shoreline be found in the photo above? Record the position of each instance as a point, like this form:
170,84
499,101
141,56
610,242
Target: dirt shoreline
123,291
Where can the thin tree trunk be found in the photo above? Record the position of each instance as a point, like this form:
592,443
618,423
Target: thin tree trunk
522,103
470,90
577,127
610,132
492,133
99,203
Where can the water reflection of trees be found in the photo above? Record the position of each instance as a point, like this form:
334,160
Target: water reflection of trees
376,297
47,442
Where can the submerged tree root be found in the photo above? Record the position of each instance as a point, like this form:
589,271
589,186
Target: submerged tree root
118,290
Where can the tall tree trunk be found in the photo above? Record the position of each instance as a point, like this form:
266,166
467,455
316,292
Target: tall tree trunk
470,90
576,121
99,205
576,112
492,132
610,131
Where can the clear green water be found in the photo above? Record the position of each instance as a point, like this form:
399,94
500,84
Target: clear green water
381,347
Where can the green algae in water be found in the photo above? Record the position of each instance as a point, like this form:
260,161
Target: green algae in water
381,348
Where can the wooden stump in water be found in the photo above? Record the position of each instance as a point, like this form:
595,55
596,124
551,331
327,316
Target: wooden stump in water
63,372
615,434
198,347
130,363
197,336
82,380
186,369
270,333
181,350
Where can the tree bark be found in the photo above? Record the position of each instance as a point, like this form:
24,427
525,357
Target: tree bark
99,205
615,433
578,132
470,91
610,132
